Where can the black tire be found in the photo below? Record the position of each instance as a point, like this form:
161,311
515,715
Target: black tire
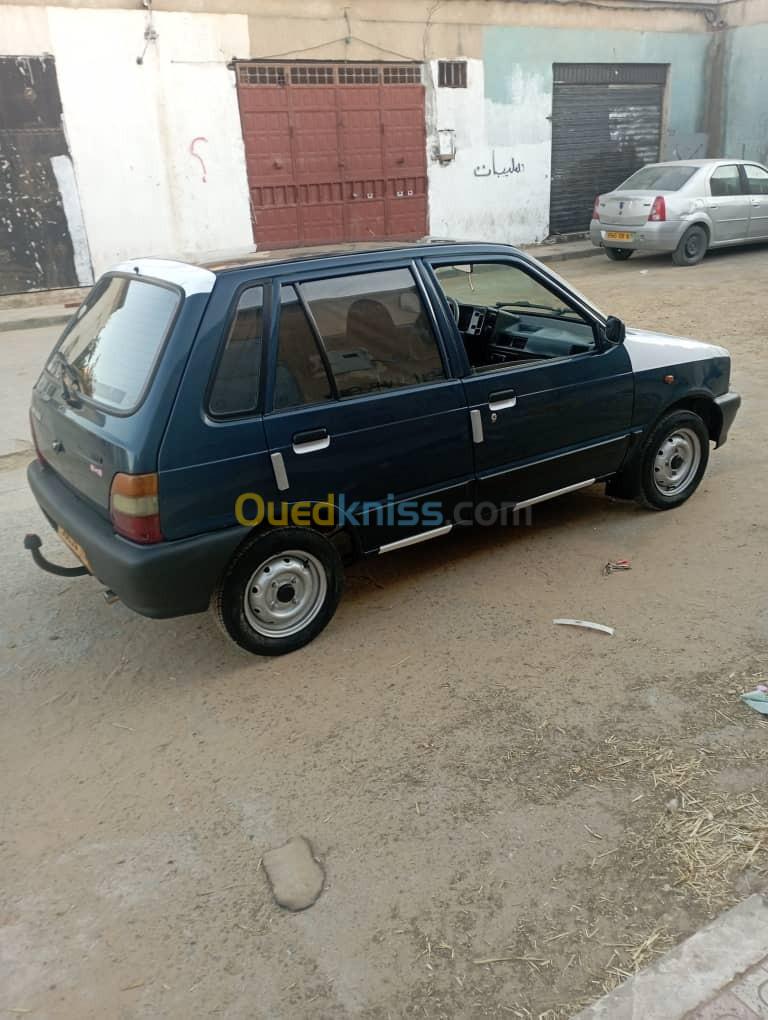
650,476
302,563
692,246
619,254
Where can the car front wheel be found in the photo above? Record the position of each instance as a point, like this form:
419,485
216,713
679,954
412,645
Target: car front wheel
280,591
672,461
619,254
692,247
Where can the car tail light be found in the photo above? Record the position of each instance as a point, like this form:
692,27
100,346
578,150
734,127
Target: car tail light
135,509
40,457
658,213
596,208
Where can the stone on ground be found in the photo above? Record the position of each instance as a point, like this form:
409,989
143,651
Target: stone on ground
294,874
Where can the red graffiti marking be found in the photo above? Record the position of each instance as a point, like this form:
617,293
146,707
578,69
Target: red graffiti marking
197,155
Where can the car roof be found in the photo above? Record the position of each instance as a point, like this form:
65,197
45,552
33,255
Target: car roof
213,264
197,274
241,258
719,161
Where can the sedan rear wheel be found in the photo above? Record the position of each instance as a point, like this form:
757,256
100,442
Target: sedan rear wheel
619,254
692,247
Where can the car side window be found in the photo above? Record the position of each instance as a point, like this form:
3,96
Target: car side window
508,318
235,387
375,331
725,180
757,179
301,376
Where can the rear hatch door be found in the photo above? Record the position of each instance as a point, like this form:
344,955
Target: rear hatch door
84,405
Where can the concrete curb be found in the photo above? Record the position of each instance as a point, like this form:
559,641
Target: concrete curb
694,972
34,322
566,256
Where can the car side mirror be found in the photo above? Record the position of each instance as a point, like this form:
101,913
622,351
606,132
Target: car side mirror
615,330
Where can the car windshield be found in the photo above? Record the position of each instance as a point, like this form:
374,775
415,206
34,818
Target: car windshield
109,350
659,178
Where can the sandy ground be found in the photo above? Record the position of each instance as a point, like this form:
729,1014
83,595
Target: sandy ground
478,784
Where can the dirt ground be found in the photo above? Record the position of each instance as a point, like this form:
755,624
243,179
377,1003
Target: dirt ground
479,784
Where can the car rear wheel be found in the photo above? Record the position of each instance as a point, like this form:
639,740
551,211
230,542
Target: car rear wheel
672,461
692,247
619,254
280,591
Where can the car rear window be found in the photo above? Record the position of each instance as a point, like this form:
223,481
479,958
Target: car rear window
658,178
113,343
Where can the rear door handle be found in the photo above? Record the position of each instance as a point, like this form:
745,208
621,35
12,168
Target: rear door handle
311,441
501,400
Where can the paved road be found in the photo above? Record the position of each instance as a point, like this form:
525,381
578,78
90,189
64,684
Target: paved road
477,783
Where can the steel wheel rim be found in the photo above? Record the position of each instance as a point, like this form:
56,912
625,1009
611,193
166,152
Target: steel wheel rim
676,462
694,244
285,593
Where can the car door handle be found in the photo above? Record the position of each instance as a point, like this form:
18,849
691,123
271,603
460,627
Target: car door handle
501,400
755,202
311,441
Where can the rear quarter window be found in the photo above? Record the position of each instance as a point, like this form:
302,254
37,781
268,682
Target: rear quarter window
115,340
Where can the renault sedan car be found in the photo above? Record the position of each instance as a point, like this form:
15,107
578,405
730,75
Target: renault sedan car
685,207
226,433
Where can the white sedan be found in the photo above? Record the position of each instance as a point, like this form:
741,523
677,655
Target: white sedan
685,207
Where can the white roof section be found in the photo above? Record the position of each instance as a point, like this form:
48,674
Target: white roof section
191,279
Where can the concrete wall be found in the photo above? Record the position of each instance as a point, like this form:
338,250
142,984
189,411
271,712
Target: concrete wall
505,114
157,147
746,93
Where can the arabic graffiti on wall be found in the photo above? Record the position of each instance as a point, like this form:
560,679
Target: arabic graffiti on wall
499,166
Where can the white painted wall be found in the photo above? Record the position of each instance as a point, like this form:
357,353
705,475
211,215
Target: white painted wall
144,188
472,198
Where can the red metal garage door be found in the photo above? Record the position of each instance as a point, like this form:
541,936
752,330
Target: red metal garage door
334,152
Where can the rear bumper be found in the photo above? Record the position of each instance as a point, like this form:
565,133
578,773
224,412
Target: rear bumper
728,404
659,237
163,580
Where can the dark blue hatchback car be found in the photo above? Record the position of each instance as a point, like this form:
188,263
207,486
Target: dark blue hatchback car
226,433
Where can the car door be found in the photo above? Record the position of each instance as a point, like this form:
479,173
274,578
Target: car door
363,410
756,178
728,204
551,400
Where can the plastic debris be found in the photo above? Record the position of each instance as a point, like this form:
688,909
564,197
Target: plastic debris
588,625
614,565
756,699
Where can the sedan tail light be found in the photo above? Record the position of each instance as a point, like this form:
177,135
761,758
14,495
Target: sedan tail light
134,508
596,209
658,213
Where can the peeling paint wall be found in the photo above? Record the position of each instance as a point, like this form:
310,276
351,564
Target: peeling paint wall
40,243
497,188
746,93
157,147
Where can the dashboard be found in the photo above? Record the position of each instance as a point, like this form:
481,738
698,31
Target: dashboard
496,335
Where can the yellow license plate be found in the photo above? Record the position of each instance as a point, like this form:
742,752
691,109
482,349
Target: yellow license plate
75,547
618,235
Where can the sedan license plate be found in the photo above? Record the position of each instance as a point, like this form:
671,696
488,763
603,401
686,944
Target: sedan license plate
618,235
75,547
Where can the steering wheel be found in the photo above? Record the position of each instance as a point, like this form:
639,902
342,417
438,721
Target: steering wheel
453,304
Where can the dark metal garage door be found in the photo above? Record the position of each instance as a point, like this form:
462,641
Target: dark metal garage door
36,250
334,152
606,122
